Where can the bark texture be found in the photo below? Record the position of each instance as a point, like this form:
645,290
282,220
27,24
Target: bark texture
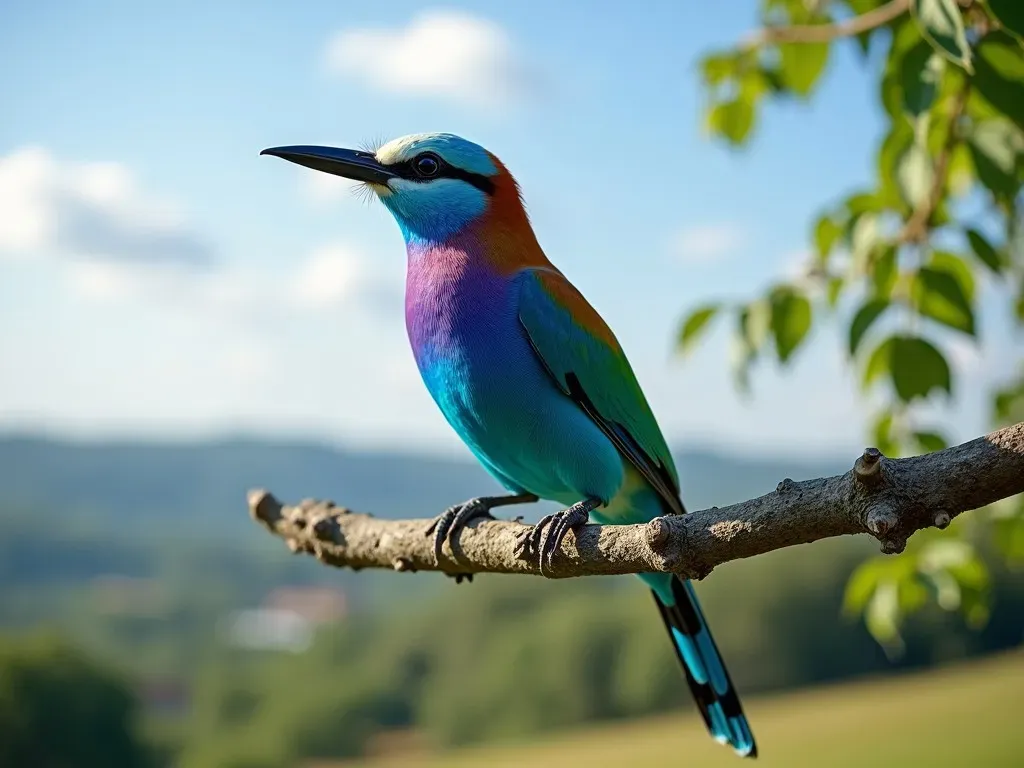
889,499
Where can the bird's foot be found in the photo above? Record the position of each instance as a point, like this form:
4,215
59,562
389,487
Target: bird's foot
533,543
453,520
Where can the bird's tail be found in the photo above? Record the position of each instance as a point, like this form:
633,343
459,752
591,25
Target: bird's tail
705,670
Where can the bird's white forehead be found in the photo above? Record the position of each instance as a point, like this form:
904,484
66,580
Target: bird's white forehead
454,150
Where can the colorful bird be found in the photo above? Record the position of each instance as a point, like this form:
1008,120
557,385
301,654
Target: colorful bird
529,375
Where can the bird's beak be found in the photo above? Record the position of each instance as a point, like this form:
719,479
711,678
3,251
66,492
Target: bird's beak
350,163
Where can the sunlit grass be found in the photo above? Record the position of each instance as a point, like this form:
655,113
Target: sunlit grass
966,715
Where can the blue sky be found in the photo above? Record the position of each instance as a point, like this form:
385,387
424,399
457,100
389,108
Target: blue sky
159,278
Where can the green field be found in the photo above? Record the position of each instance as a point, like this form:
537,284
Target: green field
966,715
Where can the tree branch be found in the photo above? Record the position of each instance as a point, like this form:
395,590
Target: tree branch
823,33
887,498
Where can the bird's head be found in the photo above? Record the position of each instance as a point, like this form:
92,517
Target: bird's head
435,184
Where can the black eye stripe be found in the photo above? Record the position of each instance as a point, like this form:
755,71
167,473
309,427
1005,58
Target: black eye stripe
407,170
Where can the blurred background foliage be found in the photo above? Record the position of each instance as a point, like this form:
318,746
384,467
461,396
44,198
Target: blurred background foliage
901,266
98,543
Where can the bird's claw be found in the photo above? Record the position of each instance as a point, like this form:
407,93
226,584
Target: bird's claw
451,521
544,539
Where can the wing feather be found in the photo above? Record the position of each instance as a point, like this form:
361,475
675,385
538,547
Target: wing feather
583,357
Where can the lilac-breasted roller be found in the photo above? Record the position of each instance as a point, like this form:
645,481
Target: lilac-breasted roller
529,375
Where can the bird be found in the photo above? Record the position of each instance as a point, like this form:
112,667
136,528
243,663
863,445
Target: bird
529,375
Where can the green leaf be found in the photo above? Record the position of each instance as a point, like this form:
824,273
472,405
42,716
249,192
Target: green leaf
882,435
957,267
883,614
834,290
802,65
1000,75
826,232
863,202
961,170
1010,14
905,36
920,73
986,254
884,270
915,175
861,586
942,25
940,296
862,321
917,368
864,237
879,362
997,148
718,67
695,325
790,321
890,152
732,119
929,442
1008,403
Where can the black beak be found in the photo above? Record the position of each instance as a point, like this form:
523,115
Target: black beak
350,163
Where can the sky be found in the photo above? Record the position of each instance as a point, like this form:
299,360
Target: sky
158,278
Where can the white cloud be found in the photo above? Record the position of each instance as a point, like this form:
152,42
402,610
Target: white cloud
706,243
440,53
92,211
332,274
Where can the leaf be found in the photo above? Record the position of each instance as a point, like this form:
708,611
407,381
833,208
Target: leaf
996,147
915,175
961,170
826,232
790,321
863,239
732,119
920,73
917,368
1008,404
834,290
1010,14
929,442
891,150
942,25
940,296
879,362
986,254
884,270
949,262
905,36
863,202
861,586
1000,75
802,65
862,321
883,437
718,67
883,613
695,325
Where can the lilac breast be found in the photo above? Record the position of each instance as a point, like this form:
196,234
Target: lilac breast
458,310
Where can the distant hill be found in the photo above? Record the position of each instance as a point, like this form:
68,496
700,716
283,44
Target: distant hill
151,483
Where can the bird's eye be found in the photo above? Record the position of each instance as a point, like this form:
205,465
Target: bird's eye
426,166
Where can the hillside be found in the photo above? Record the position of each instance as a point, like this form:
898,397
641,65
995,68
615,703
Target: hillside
129,483
965,714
